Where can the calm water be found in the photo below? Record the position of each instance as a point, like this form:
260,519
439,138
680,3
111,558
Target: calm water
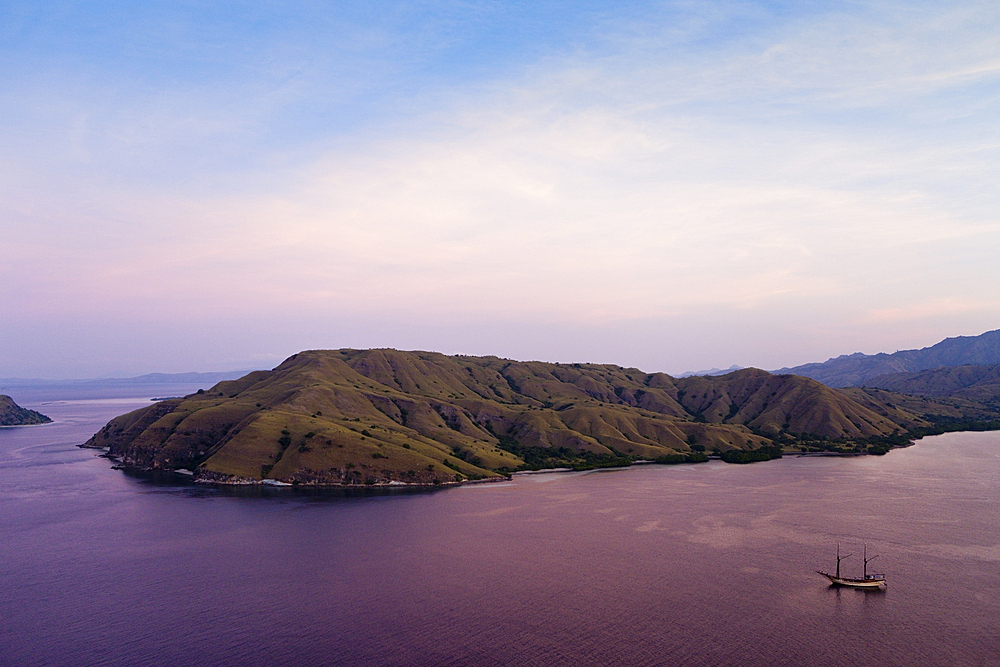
709,564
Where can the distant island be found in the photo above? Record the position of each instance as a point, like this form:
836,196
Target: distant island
147,379
12,414
387,417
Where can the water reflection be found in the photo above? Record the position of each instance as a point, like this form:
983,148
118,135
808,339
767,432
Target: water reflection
178,483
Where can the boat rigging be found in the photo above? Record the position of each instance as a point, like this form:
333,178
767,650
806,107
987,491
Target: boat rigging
874,580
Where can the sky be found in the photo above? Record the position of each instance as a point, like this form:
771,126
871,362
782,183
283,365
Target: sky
207,186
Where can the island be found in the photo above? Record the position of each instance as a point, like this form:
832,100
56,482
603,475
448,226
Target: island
12,414
388,417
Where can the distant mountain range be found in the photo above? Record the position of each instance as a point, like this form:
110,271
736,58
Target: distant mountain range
855,370
973,383
712,372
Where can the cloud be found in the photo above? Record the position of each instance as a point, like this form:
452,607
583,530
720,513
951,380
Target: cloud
834,166
933,308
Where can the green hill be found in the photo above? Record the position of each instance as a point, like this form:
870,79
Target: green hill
12,414
385,416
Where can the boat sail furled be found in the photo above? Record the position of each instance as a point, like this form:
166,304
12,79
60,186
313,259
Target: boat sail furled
867,580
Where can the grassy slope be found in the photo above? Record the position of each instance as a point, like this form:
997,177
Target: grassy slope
374,416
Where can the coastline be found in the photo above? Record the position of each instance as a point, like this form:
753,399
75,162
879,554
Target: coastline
51,421
230,481
235,481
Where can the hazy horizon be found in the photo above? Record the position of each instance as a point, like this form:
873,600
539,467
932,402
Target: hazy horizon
665,185
234,371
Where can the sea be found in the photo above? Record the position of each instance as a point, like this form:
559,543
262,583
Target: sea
703,564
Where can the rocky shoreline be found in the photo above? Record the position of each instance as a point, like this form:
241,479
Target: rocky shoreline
210,478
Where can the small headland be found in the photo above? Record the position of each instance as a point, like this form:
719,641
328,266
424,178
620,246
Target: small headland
12,414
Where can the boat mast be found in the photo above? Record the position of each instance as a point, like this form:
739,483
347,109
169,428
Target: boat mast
839,558
868,559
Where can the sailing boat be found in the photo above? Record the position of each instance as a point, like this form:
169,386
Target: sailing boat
867,580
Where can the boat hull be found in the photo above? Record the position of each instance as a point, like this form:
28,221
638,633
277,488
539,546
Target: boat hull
877,582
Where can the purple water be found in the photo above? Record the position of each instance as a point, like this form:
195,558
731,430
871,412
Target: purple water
708,564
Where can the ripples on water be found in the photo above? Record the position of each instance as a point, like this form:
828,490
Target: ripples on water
709,564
